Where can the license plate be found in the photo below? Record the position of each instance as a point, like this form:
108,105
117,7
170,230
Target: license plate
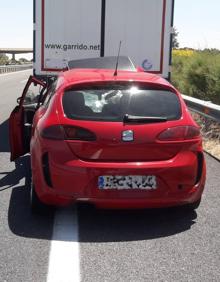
133,182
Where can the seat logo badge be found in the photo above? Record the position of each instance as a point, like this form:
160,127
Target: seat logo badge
128,135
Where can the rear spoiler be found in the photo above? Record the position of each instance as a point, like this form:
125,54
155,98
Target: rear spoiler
124,63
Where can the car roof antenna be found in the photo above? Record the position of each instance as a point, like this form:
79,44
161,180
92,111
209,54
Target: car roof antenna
116,68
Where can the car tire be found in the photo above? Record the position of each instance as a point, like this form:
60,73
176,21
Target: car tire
193,206
37,207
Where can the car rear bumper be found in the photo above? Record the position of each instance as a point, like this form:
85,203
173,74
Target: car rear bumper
51,198
77,180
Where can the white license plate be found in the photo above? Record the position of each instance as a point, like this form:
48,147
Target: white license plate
133,182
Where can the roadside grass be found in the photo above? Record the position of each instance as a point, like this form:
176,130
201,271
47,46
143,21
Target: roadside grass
212,147
211,134
197,73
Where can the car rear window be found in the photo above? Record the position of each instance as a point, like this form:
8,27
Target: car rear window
112,102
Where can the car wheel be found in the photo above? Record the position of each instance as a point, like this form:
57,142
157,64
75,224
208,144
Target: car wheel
193,206
37,207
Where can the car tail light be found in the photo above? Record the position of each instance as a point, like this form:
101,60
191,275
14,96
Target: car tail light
78,133
54,132
179,133
58,132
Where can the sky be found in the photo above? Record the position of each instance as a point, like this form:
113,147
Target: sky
197,21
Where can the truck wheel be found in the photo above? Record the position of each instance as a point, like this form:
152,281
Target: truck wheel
37,207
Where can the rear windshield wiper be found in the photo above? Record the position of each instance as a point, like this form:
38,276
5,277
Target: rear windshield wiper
142,119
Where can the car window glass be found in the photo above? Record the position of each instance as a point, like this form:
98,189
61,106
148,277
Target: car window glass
32,94
49,95
113,103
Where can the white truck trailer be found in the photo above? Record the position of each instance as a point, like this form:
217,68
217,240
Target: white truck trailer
75,29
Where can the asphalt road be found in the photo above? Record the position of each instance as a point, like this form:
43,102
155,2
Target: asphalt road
161,245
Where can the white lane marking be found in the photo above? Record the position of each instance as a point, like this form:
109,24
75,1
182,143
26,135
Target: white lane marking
64,253
14,72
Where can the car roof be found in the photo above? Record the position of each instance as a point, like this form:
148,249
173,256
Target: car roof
76,76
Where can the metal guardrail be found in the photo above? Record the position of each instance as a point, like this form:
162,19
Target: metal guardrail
204,108
13,68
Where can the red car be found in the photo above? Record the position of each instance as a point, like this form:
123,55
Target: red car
116,139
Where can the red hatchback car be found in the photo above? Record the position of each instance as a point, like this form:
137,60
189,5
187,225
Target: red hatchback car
114,139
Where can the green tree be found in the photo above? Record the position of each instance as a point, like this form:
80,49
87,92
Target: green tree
175,43
23,60
3,59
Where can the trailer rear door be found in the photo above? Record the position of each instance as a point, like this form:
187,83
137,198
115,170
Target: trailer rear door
75,29
65,30
143,26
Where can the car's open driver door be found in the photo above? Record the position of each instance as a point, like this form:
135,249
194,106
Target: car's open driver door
16,122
